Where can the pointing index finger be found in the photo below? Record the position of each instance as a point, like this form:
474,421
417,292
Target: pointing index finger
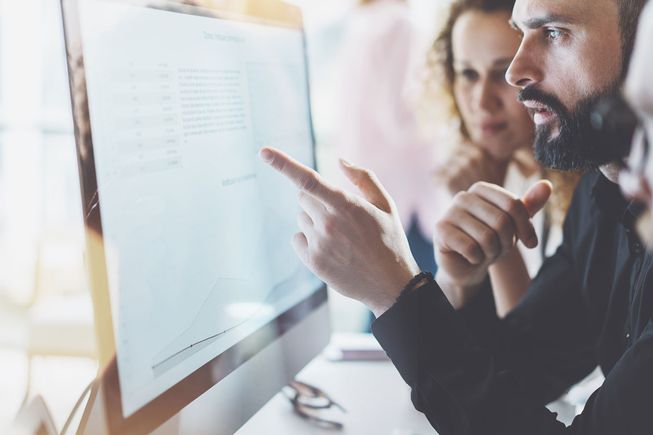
305,178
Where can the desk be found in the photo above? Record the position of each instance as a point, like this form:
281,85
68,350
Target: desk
376,398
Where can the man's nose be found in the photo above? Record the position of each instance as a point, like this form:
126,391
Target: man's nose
524,69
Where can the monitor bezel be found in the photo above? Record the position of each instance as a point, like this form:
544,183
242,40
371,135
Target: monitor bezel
176,398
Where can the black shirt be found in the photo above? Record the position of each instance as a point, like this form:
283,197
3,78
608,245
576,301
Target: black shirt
591,304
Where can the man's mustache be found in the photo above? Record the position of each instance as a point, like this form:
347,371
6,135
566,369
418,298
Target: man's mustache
610,123
531,93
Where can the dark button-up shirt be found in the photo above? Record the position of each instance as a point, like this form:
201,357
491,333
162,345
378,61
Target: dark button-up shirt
591,304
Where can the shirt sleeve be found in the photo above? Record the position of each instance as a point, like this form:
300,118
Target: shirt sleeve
463,389
547,341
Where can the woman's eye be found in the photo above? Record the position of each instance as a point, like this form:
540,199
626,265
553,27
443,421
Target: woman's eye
469,74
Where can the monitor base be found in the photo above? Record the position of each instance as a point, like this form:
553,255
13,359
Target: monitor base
228,405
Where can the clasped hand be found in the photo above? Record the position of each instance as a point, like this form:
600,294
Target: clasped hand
483,225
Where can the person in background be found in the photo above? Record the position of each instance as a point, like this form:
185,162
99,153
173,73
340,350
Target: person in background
636,180
377,126
493,131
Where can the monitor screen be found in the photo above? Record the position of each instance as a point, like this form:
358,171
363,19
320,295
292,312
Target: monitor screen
196,231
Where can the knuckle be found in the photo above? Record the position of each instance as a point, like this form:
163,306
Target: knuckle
488,239
503,224
305,219
309,182
329,225
514,207
461,199
477,187
471,250
276,163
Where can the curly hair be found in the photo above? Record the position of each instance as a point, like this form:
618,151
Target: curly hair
440,74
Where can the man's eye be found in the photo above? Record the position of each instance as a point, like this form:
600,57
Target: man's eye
553,34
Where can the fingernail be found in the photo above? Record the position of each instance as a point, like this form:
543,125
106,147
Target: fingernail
265,155
345,163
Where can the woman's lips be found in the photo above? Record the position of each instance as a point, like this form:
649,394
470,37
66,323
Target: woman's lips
491,128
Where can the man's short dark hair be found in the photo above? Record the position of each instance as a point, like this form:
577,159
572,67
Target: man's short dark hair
629,11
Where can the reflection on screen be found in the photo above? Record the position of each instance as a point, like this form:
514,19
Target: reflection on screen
196,229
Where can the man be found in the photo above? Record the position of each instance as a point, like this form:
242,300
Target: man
470,372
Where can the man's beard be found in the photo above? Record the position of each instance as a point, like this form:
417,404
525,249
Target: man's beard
578,146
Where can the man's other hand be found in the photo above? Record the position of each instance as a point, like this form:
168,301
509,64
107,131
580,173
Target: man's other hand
482,225
355,244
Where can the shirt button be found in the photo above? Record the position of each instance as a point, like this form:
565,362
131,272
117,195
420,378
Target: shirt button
628,336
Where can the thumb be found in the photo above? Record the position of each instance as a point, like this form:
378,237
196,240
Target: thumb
537,196
368,184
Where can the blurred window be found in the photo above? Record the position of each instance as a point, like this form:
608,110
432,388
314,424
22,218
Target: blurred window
39,191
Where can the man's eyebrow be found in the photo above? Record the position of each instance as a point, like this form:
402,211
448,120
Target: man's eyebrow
536,23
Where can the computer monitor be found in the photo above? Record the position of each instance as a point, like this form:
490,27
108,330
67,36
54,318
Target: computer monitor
195,283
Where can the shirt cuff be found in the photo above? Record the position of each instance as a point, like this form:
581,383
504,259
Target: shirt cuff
417,328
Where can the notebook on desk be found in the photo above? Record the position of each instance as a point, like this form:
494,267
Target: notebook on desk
354,347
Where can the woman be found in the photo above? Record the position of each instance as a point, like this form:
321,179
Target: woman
494,131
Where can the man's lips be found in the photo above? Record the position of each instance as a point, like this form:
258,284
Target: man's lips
542,114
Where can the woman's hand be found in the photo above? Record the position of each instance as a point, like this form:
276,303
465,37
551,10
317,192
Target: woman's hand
467,165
